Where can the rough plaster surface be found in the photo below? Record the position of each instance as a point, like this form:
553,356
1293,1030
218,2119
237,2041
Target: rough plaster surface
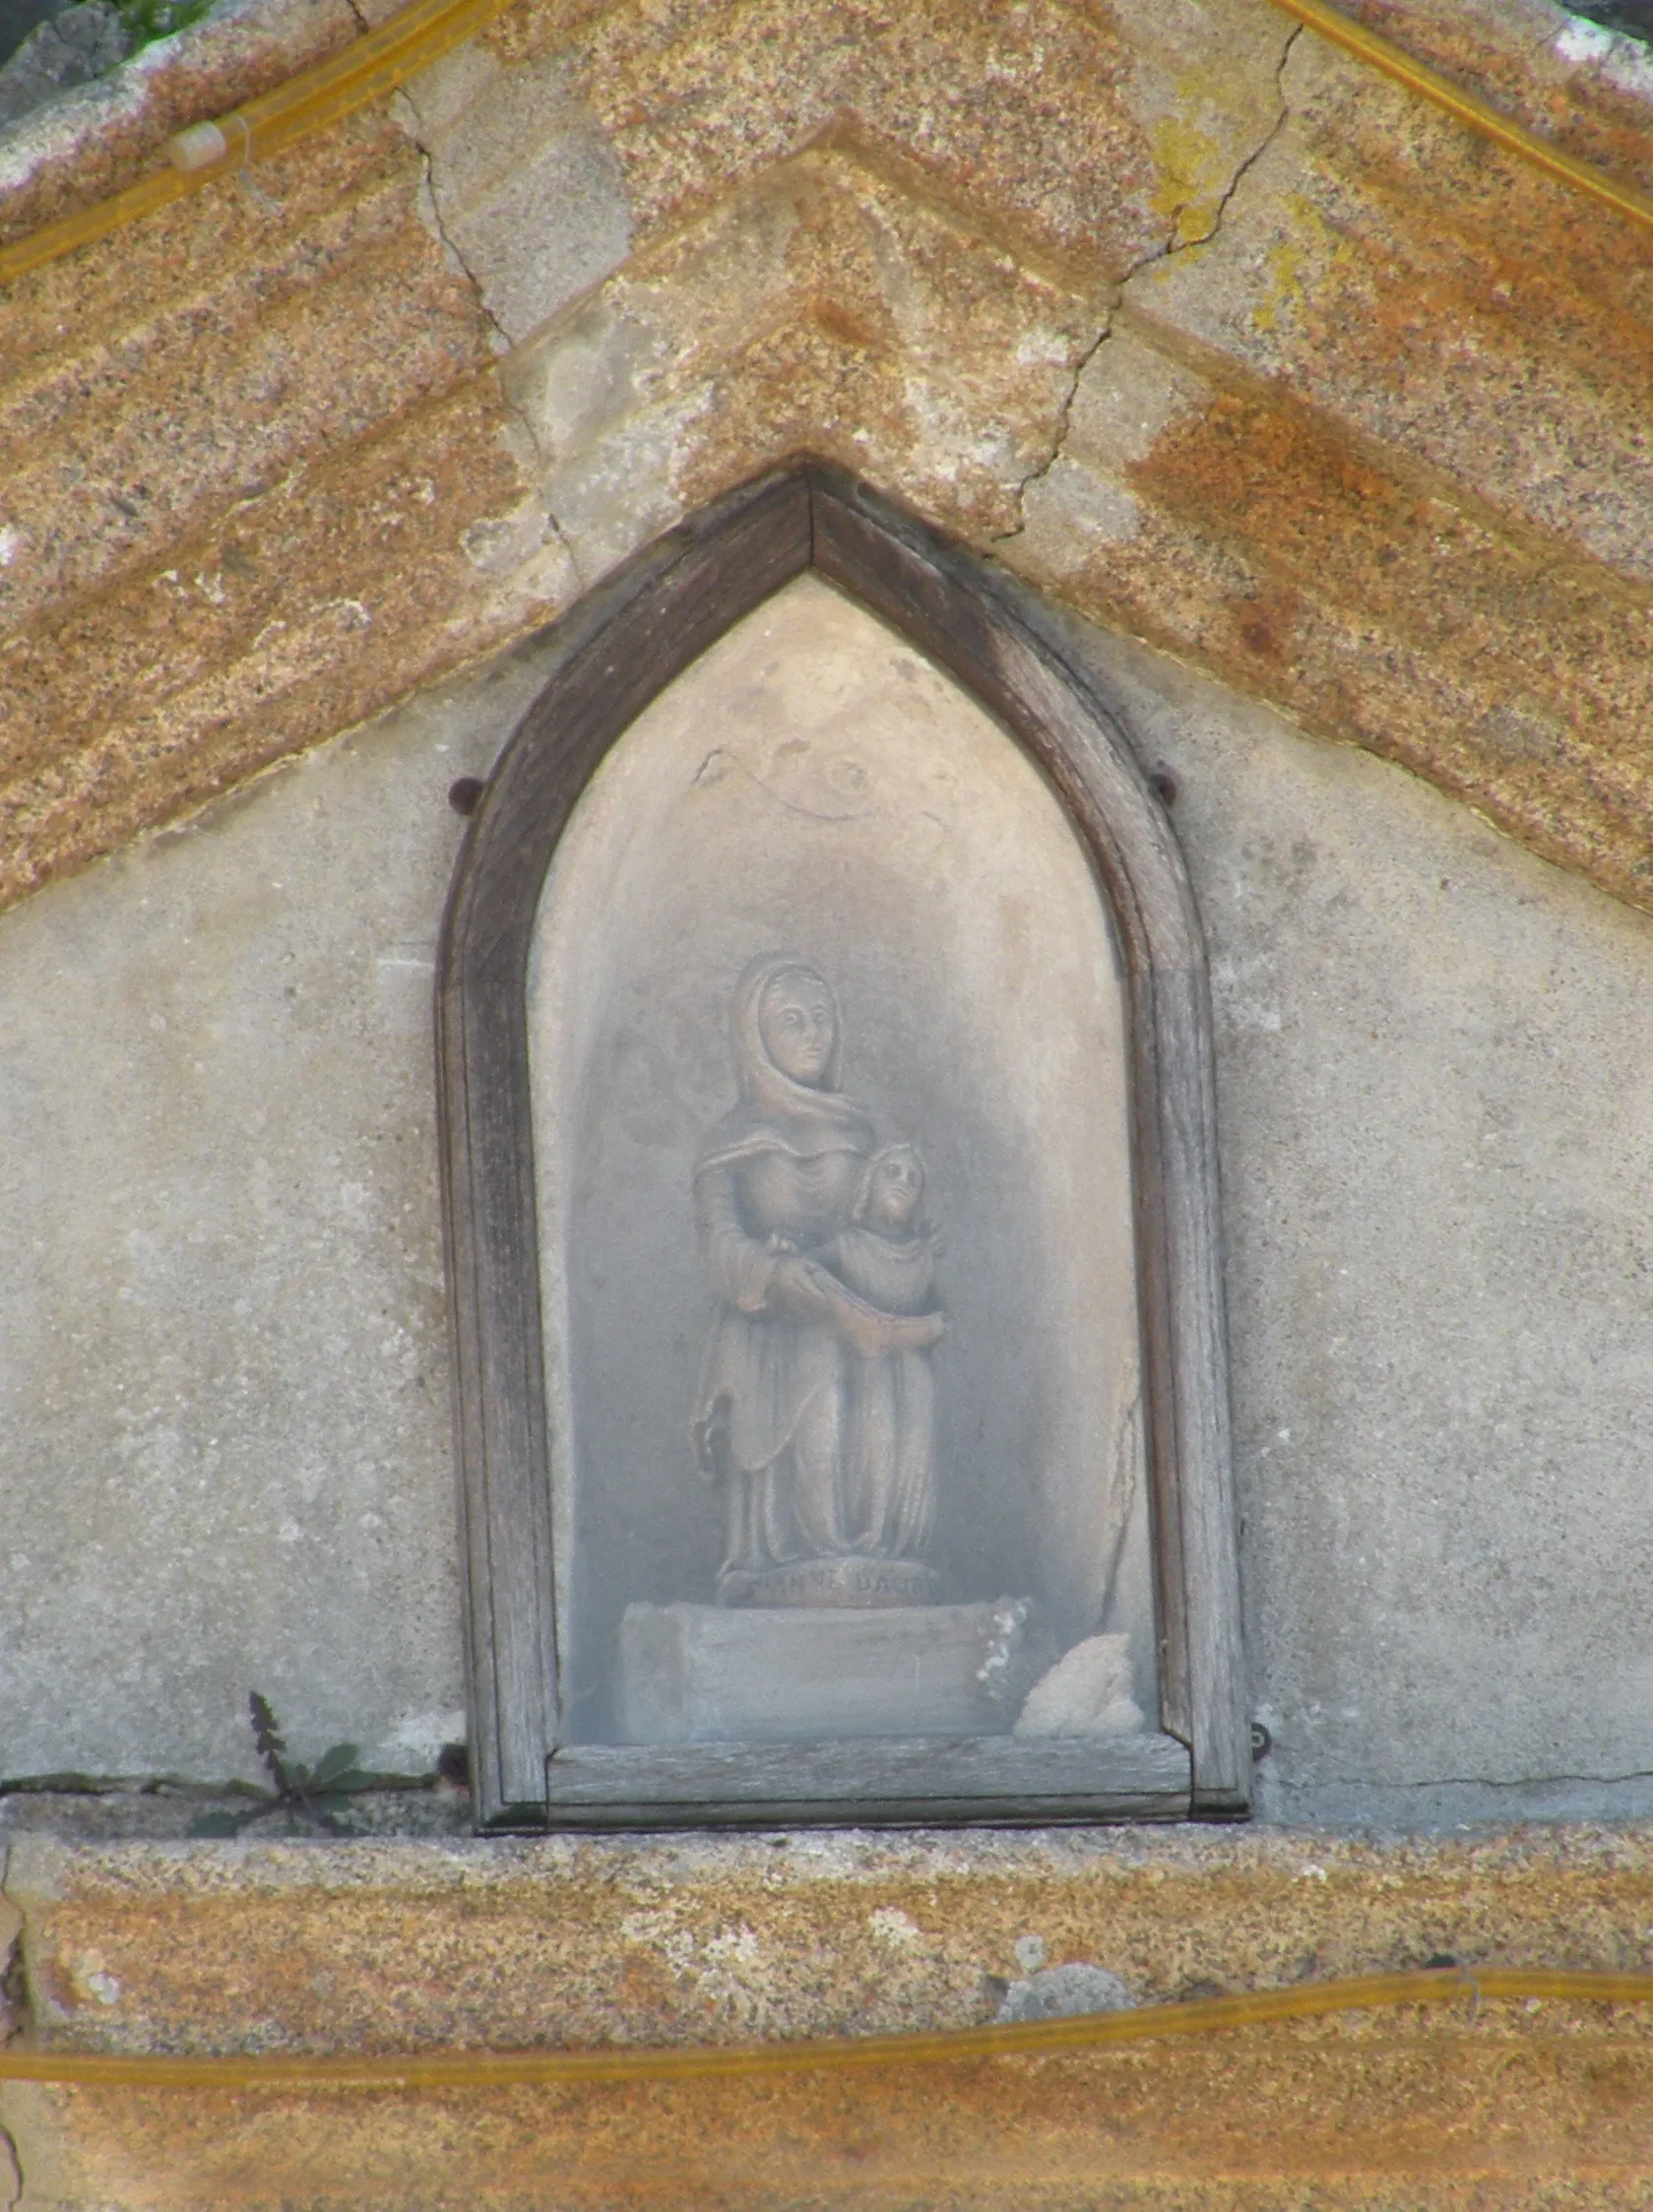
1436,1107
225,1427
224,1468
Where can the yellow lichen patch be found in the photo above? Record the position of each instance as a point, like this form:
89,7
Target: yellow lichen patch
1194,176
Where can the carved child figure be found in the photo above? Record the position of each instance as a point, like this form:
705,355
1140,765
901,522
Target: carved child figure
887,1256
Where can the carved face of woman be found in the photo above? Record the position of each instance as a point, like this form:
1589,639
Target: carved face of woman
798,1027
894,1191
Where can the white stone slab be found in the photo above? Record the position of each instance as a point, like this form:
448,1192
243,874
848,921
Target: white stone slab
767,1674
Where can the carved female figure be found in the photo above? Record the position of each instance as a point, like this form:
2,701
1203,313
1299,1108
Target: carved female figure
813,1458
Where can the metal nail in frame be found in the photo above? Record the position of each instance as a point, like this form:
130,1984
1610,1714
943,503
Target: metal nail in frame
829,1570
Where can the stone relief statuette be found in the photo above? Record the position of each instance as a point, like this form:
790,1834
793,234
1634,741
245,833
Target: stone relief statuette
814,1425
816,1419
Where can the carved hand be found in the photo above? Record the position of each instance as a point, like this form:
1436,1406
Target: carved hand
871,1333
803,1291
919,1330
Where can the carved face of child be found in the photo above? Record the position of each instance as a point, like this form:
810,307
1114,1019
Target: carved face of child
798,1027
894,1188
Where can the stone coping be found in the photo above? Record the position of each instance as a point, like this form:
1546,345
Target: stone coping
382,1942
388,1943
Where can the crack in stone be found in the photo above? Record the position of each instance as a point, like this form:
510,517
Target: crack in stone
561,536
1466,1780
1180,245
1064,415
1171,247
504,342
539,469
1174,245
427,183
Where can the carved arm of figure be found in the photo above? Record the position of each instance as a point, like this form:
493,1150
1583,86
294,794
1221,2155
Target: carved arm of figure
742,1267
807,1292
763,1276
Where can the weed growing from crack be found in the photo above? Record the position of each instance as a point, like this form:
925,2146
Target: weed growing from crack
318,1794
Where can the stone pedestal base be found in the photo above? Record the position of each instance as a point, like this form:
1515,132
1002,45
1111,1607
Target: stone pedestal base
853,1582
768,1674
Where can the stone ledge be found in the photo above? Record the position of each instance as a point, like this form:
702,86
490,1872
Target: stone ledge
395,1943
391,1942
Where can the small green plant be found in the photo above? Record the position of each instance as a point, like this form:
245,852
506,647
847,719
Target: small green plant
147,21
319,1793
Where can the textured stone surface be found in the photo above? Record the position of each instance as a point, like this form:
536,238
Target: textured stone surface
1404,492
397,1946
822,308
1328,447
375,1947
77,45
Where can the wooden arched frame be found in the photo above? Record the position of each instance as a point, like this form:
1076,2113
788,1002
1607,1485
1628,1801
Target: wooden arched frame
619,648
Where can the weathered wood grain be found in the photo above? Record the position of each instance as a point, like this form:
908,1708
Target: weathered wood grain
993,1777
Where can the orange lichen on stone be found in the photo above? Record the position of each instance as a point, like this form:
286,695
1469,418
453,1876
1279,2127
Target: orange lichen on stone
1369,609
1419,518
382,1946
1437,295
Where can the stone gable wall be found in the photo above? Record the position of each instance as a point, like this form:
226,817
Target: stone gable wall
1197,324
1321,428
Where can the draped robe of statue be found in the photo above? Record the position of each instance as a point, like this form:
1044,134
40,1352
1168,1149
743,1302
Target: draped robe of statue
889,1440
779,1418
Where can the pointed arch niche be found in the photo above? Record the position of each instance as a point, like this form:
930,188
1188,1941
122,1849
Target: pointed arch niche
735,1551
